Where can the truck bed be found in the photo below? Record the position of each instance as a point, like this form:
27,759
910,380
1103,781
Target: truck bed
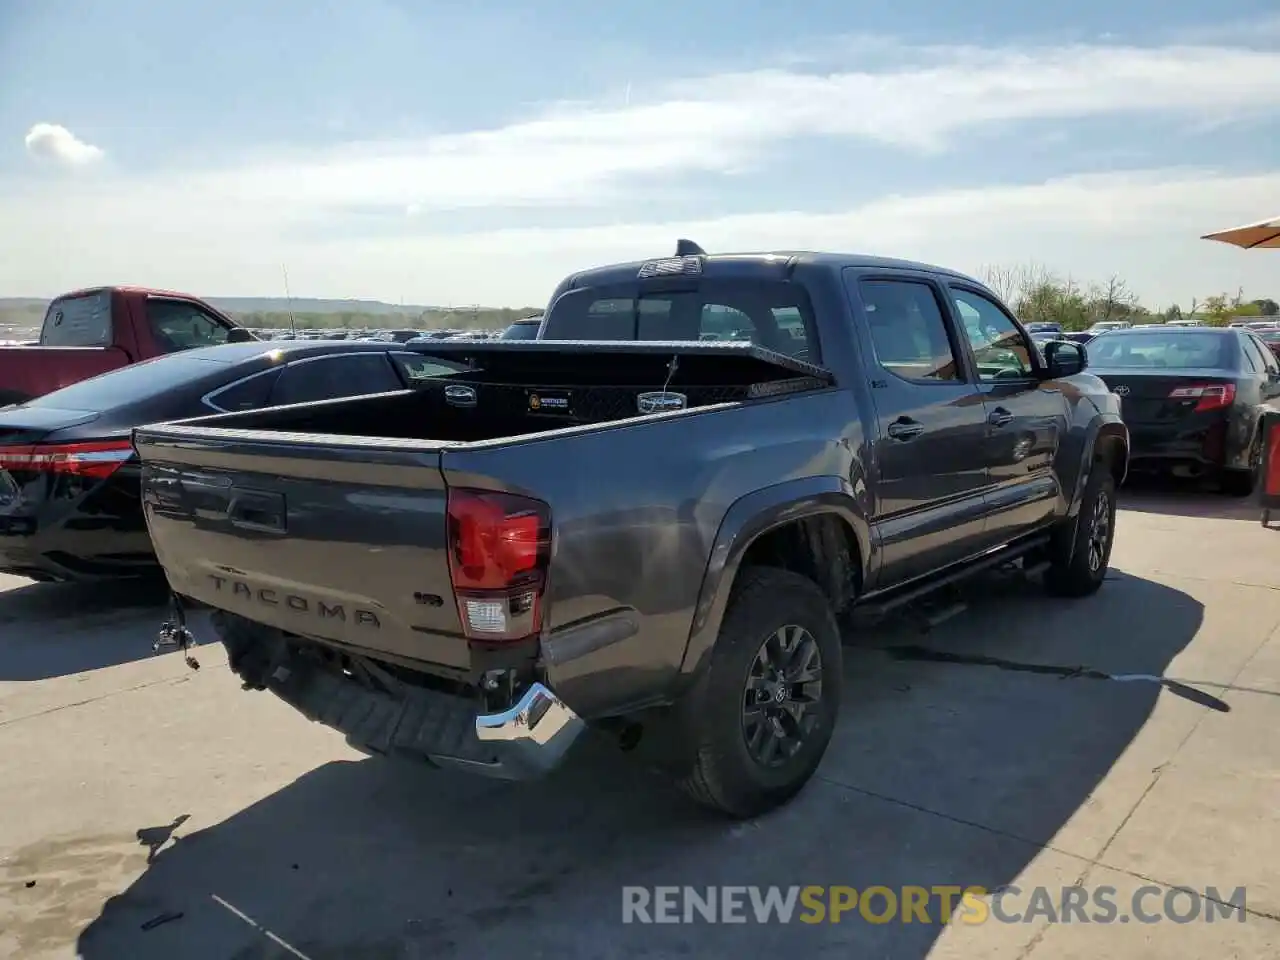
331,520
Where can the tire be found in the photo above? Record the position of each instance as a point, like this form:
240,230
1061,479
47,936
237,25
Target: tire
1078,564
770,608
1241,483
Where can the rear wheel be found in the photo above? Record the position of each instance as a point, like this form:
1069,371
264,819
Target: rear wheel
1079,556
1241,483
763,713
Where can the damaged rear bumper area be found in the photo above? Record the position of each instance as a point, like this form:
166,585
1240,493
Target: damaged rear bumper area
381,714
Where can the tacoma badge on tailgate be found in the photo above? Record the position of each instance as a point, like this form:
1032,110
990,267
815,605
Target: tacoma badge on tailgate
291,601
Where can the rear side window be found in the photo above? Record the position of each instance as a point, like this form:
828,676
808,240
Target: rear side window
251,393
772,314
1252,360
416,367
327,378
1255,352
78,321
908,332
1160,350
1268,356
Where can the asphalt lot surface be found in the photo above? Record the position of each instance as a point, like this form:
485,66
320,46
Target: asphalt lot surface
154,812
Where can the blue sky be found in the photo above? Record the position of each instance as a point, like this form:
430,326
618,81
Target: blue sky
474,153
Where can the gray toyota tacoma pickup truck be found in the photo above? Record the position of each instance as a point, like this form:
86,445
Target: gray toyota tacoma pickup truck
651,521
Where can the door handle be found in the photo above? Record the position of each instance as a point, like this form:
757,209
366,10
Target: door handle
1000,417
262,512
904,428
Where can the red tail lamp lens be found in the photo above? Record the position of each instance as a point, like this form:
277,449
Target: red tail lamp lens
95,458
499,550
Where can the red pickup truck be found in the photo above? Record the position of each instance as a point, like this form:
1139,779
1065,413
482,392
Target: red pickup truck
89,332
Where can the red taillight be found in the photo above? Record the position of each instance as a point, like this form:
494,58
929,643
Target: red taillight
499,550
94,458
1208,396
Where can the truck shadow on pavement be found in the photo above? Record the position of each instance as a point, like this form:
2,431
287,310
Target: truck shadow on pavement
55,629
940,773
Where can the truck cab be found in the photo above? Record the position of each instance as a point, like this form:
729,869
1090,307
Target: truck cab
91,331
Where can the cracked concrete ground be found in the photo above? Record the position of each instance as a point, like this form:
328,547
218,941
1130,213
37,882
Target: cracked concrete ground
138,793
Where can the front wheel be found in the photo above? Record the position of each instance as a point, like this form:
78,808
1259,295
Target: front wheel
1079,556
763,713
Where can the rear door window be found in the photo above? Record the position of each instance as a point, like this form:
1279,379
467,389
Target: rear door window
83,321
772,314
908,331
179,325
327,378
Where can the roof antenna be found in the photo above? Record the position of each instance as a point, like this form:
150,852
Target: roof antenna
687,248
671,371
288,299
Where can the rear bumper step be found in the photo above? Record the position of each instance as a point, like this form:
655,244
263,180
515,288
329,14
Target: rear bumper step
523,742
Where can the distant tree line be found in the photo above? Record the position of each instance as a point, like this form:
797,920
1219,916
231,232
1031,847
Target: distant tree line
1037,295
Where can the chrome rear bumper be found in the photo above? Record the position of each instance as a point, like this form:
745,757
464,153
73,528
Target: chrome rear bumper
530,738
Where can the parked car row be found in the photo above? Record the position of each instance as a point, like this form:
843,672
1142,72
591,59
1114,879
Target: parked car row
525,328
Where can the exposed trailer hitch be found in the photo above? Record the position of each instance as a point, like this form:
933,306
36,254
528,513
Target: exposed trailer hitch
174,634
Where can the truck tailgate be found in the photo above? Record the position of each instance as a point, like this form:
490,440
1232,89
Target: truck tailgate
342,541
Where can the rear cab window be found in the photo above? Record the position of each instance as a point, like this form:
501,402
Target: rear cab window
1159,350
83,321
774,314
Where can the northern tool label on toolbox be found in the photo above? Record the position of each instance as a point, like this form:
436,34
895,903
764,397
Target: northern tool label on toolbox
551,402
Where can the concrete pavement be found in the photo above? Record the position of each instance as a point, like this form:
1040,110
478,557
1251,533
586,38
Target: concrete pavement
134,790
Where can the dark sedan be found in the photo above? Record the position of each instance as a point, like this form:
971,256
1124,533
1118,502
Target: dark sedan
1193,398
70,506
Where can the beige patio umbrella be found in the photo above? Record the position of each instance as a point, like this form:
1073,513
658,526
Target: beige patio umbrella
1256,235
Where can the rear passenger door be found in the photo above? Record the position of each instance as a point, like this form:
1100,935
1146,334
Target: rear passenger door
1025,417
930,467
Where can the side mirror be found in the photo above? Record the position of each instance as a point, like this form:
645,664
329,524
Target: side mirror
240,335
1064,359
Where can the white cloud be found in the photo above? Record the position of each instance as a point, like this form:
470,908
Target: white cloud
581,154
51,141
1143,225
227,230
